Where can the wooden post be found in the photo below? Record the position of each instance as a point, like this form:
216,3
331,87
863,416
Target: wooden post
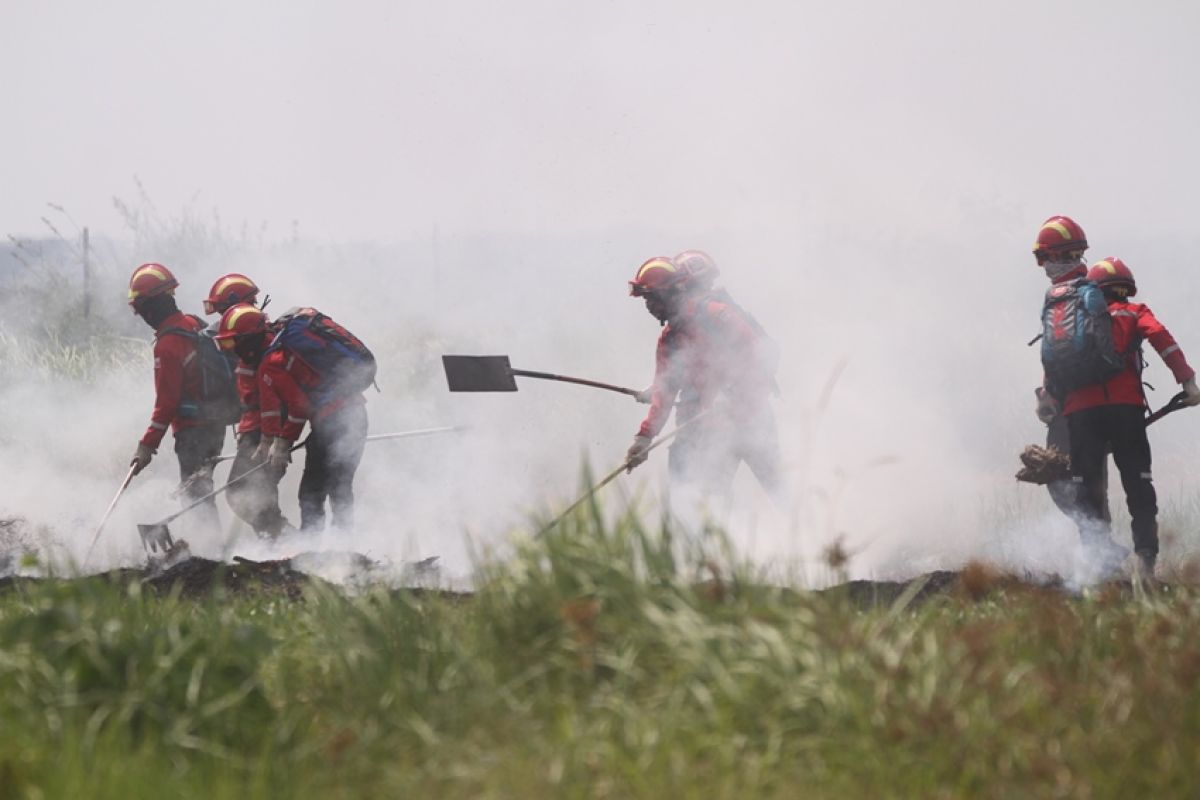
87,276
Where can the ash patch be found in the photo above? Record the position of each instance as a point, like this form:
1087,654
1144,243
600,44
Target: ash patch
196,578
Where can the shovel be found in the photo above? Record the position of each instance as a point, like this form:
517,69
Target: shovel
1174,404
495,374
108,513
156,535
378,437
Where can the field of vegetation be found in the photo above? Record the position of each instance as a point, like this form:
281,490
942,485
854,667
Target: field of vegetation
601,661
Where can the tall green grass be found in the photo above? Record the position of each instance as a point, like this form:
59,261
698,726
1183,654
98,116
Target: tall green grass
599,660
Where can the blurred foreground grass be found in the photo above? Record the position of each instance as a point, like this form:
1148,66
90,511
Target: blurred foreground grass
599,661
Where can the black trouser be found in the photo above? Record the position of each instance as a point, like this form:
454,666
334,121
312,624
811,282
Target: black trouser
1122,428
196,448
334,449
707,452
255,498
1065,493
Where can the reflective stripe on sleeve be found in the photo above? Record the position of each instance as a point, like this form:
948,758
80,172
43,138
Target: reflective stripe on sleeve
158,426
1173,348
1122,312
270,414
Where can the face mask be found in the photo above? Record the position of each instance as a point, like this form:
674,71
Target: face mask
1055,271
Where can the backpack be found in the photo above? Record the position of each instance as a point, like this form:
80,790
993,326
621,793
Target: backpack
767,360
1077,341
218,402
343,363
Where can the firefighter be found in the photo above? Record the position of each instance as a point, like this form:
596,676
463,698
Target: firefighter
178,386
715,366
1111,415
244,330
1059,250
293,392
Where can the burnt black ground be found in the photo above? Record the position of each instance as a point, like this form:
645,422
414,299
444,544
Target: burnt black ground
200,578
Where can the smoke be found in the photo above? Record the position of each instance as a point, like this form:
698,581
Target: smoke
868,179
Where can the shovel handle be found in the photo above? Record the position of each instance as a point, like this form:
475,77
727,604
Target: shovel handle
547,376
1174,404
108,512
375,437
612,476
229,483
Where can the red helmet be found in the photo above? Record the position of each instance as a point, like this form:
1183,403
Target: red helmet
699,265
239,320
1113,272
228,291
150,280
1059,234
656,275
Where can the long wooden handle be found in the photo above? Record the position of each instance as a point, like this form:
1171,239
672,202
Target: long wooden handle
612,476
108,512
547,376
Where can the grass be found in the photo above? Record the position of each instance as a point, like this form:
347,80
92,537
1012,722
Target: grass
599,661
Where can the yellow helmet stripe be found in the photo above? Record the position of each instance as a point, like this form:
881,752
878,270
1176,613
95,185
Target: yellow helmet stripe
231,281
231,321
1107,266
151,270
661,263
1059,228
148,269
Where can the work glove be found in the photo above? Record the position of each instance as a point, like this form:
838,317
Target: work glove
1193,393
141,457
1047,406
280,454
263,451
645,396
638,452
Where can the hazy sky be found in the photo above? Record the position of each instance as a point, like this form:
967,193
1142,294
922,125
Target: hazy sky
376,120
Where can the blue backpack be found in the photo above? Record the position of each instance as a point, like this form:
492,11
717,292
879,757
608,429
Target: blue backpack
1077,342
343,363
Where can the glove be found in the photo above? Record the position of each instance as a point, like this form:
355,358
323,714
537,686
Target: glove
280,454
1193,393
638,452
1047,406
141,457
263,451
645,396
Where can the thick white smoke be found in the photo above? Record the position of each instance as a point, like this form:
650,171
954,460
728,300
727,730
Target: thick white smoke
868,178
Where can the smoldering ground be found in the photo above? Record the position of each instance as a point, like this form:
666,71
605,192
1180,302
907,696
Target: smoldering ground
872,205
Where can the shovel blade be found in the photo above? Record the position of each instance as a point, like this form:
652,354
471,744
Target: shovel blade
156,537
479,374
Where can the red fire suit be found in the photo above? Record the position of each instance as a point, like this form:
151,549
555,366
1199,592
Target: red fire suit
177,386
254,498
713,350
176,376
335,446
1111,416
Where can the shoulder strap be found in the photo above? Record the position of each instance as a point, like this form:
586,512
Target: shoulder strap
193,335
